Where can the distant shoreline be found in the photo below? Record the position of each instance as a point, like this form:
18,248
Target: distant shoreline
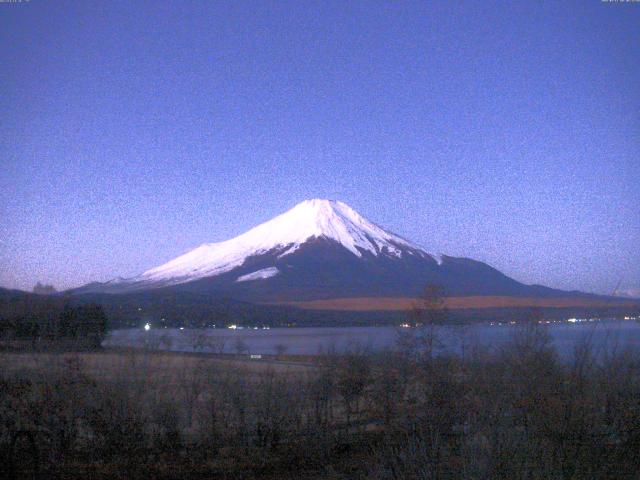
366,304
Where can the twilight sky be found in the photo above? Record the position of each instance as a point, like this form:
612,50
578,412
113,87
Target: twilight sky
133,131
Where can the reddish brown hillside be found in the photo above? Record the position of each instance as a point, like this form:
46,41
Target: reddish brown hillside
363,304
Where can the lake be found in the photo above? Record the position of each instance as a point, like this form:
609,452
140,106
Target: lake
604,335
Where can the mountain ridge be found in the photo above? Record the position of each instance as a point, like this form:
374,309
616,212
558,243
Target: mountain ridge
281,236
321,250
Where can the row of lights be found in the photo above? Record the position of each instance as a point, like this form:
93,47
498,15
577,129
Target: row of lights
147,327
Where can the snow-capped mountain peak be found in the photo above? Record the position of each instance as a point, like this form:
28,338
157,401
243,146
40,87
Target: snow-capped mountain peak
283,235
319,250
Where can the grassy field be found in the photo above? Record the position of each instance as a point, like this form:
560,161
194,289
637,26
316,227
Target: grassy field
156,366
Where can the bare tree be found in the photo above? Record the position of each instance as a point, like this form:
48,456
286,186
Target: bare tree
192,382
196,339
240,346
281,349
427,314
217,343
165,341
354,374
461,333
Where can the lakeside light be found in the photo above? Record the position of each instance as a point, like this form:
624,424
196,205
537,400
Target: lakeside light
147,327
232,327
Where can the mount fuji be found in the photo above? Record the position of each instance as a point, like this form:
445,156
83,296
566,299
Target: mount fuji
319,251
312,221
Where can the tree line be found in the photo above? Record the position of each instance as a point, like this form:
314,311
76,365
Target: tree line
48,322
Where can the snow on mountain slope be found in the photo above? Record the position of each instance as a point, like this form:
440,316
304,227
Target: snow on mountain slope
283,235
259,274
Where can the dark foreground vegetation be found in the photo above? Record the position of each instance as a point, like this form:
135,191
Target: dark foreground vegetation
51,324
517,413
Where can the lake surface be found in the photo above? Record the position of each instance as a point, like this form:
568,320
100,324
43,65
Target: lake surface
605,335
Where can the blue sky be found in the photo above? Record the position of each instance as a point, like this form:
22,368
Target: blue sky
508,132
